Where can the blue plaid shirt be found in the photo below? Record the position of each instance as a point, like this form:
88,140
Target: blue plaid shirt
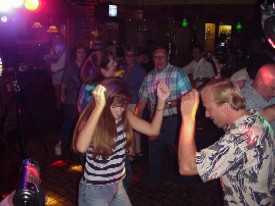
174,77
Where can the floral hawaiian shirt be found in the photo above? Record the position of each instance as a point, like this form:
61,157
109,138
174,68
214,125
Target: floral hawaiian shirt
244,160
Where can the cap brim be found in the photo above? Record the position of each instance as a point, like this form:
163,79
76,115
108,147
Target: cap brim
94,50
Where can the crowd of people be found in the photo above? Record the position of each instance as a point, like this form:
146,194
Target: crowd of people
104,119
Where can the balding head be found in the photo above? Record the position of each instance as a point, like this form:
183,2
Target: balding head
264,82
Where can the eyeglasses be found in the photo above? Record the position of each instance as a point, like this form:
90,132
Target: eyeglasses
118,105
159,57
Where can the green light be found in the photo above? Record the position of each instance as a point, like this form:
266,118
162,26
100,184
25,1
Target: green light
239,26
184,23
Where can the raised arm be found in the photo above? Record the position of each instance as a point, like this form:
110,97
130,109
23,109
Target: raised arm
218,67
152,128
187,147
63,92
85,128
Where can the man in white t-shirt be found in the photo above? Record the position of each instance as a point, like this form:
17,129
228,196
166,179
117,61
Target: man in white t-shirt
57,59
199,69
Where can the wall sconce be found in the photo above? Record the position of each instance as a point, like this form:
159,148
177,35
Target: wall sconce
37,25
52,29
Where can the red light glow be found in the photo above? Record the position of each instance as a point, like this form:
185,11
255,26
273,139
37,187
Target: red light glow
271,42
59,163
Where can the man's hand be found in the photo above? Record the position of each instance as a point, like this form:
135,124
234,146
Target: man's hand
163,91
190,103
99,96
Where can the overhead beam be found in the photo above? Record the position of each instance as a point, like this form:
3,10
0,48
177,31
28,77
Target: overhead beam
179,2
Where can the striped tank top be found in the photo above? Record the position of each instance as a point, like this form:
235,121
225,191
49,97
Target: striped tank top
107,171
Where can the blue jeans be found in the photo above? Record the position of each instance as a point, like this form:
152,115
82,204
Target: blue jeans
70,118
168,137
103,195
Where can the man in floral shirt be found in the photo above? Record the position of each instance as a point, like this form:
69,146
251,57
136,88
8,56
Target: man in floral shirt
243,158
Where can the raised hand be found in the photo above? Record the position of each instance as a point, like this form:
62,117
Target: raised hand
190,103
99,96
163,91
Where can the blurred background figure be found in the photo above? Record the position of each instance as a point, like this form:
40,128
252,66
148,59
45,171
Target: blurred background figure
69,95
134,75
199,69
57,60
144,59
90,74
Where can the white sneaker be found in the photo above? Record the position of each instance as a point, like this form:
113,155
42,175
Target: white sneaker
57,150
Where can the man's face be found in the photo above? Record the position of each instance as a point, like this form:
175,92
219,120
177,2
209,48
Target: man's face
99,56
160,58
129,58
268,86
197,54
80,54
212,110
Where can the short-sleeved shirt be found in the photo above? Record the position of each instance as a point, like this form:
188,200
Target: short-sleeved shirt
134,78
61,62
71,78
174,77
254,100
244,159
85,95
200,69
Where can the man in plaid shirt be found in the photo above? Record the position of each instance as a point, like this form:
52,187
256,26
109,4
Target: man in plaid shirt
179,84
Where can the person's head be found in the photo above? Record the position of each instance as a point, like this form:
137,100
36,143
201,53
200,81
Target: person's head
117,98
264,82
221,98
57,38
80,53
197,52
130,55
97,49
160,57
90,72
108,65
143,55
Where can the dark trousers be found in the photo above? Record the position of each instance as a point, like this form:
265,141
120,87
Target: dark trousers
70,118
168,138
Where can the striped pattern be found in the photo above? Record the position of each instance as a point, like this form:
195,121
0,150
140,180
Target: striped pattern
107,171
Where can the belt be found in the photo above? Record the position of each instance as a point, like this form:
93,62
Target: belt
170,104
170,116
59,70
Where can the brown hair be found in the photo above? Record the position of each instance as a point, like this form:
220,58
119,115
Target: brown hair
106,59
90,72
103,143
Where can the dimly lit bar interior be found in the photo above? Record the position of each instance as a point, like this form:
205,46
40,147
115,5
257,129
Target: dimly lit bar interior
92,98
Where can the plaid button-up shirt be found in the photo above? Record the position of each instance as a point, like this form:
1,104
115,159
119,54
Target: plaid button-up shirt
174,77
